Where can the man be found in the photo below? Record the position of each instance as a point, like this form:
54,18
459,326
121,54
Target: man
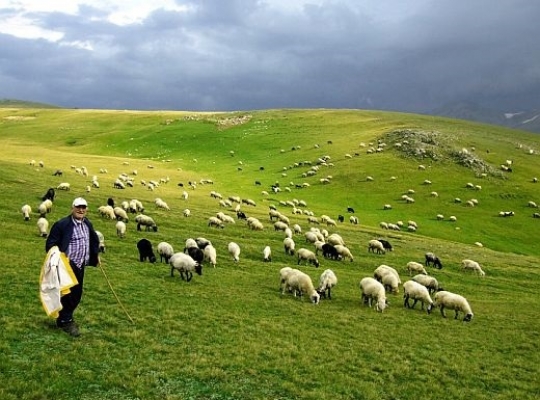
75,236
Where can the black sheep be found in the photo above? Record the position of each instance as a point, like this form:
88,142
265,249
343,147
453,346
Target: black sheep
432,259
386,244
330,252
341,218
49,195
110,202
241,215
196,253
145,251
350,210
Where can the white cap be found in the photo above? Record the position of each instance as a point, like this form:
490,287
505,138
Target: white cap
79,201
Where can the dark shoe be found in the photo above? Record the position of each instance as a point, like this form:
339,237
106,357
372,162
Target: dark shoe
71,328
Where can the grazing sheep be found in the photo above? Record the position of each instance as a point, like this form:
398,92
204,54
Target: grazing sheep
429,282
161,204
267,254
210,254
26,211
186,212
43,227
327,281
121,229
280,226
353,220
196,253
376,245
386,244
300,283
433,260
214,221
289,246
335,239
283,274
184,264
107,212
413,266
120,214
329,251
382,270
165,251
417,292
473,265
536,215
309,256
101,241
344,252
201,243
234,251
145,251
444,299
373,290
49,195
311,237
146,221
64,186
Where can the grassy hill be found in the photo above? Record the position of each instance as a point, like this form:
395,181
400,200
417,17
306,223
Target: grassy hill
230,334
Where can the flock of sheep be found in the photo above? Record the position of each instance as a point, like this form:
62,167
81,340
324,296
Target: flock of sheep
198,251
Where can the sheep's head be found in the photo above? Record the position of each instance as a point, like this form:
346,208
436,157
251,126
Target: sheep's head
315,297
198,269
468,317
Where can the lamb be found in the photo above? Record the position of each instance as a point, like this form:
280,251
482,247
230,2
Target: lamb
289,246
417,292
185,265
267,254
210,254
165,251
432,259
376,245
26,211
101,241
234,251
429,282
309,256
413,266
327,281
300,283
452,301
43,227
373,290
146,251
146,221
121,229
473,265
344,252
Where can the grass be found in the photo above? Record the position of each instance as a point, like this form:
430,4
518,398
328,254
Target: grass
229,334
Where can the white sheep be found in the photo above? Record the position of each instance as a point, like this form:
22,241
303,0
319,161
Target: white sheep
429,282
43,226
289,246
234,251
26,211
107,212
214,221
473,265
146,221
210,255
185,265
121,214
300,283
307,255
327,281
283,274
373,290
45,207
413,266
311,237
101,239
417,292
388,276
64,186
344,252
267,254
376,245
452,301
121,229
335,239
186,212
297,229
161,204
165,251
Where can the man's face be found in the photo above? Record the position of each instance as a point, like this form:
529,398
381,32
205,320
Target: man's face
78,212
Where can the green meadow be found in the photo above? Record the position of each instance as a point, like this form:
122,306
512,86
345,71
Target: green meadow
230,333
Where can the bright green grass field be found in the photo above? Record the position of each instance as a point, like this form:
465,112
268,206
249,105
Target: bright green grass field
230,333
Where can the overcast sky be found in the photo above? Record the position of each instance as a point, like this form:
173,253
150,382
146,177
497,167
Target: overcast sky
407,55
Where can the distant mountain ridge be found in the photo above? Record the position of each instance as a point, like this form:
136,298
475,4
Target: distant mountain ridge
527,120
7,103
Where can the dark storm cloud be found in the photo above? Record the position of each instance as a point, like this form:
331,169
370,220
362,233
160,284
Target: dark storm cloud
247,55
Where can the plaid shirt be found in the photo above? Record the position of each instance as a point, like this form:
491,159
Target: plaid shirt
79,245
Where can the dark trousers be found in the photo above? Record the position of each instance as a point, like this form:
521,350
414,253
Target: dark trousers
71,300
